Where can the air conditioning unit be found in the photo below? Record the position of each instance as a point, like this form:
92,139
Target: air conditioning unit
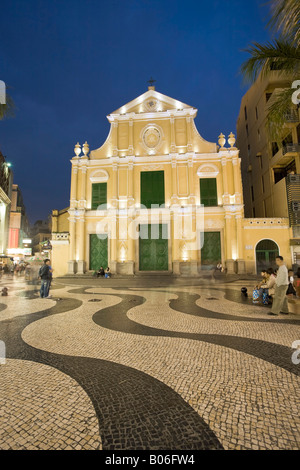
296,206
294,178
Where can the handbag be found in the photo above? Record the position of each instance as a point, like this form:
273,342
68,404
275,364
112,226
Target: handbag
255,295
265,298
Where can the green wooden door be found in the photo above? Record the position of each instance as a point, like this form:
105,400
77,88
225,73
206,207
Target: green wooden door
98,252
99,195
266,252
153,247
152,188
211,250
208,192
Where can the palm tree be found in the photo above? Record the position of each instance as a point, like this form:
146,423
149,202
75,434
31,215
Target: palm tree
282,55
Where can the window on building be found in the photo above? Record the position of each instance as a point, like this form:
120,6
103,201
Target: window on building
253,212
259,158
99,195
280,173
249,150
275,148
246,114
152,188
264,208
256,112
247,130
268,96
208,192
287,140
263,184
258,135
252,193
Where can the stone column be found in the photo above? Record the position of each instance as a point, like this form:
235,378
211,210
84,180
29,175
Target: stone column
114,138
113,243
81,243
130,183
175,243
189,133
72,255
82,201
237,180
241,265
226,199
74,177
229,237
174,179
131,248
191,176
130,147
115,185
194,251
239,236
173,143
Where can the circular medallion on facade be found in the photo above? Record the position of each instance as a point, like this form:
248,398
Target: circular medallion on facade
151,105
151,137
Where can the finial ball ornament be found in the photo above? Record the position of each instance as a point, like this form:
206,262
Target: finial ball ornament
222,140
231,139
77,149
85,148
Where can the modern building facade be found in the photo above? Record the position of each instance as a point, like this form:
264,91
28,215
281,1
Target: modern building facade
157,197
40,233
5,202
270,170
18,226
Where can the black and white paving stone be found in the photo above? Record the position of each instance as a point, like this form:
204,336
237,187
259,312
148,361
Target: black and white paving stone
145,367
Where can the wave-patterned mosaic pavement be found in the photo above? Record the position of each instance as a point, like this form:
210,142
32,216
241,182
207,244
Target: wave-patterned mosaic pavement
122,366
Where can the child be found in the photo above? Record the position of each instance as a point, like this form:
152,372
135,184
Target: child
291,289
297,283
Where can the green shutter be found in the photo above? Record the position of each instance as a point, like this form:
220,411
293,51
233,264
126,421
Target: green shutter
99,195
211,250
152,188
153,252
208,192
98,252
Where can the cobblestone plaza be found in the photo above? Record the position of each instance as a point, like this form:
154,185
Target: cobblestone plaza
148,363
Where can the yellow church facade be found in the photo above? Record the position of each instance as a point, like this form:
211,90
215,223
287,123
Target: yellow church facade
157,197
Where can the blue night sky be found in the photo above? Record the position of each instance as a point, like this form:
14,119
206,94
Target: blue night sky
69,63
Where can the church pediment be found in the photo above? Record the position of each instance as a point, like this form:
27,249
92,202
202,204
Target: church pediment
151,102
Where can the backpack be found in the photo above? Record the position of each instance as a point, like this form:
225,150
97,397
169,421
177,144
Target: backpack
43,270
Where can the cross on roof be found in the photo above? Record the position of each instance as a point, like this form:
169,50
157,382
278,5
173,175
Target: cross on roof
151,81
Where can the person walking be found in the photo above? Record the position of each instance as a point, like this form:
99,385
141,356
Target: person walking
45,273
280,301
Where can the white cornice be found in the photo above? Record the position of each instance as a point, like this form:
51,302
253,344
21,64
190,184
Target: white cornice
190,112
179,157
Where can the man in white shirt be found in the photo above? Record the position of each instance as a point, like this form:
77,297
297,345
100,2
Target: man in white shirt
280,302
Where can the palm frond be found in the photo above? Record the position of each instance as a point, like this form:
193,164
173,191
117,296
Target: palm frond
286,19
279,107
278,55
